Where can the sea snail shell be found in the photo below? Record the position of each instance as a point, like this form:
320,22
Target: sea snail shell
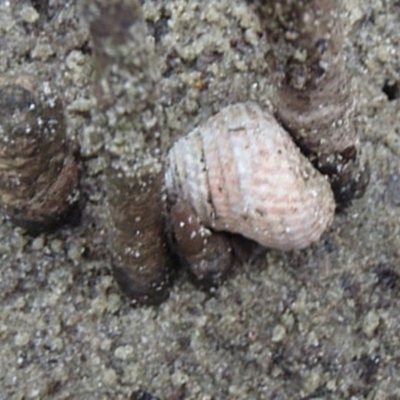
242,173
38,174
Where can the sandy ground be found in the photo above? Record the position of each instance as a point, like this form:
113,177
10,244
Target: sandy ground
317,324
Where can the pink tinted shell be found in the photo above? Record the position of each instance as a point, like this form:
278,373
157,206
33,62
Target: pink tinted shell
242,173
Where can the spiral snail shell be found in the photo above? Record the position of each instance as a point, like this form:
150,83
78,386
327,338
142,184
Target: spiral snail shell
242,173
38,174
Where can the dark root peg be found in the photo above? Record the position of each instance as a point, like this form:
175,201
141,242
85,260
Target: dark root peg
126,88
206,254
313,96
39,175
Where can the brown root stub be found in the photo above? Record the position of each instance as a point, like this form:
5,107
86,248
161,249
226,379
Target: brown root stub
206,254
126,87
39,175
313,98
137,237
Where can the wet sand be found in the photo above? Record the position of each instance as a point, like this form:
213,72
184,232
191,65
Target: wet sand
321,323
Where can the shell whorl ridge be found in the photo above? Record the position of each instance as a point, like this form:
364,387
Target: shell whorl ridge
242,173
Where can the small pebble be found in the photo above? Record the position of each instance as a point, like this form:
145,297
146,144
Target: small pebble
56,246
114,303
82,105
34,392
22,339
331,385
179,378
75,60
29,15
38,243
57,344
313,380
42,51
278,333
75,251
370,323
98,305
106,282
19,240
109,377
106,345
124,352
